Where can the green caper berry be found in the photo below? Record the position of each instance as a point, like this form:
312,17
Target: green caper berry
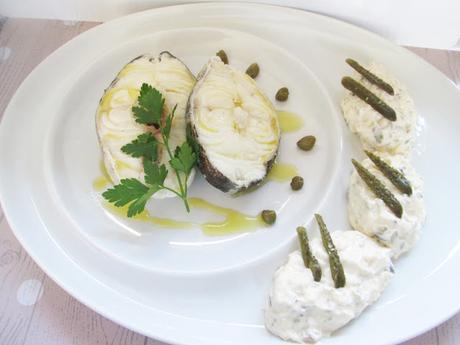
268,216
282,94
253,70
297,183
223,56
306,143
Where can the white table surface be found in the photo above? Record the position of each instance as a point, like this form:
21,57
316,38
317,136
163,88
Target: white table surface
33,309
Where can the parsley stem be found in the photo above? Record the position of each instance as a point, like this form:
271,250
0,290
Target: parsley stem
186,183
150,192
187,207
183,193
171,190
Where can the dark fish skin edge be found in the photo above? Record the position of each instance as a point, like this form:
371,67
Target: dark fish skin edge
379,189
395,176
214,177
370,77
369,97
165,52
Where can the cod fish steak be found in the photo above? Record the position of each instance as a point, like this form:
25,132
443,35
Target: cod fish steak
115,122
235,125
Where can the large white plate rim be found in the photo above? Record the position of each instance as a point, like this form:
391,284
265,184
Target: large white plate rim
18,223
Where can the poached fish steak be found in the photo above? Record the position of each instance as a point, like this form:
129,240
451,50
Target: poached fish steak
116,125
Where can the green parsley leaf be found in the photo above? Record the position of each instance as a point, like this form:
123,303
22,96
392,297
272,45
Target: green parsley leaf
139,205
145,145
129,191
184,158
155,175
150,106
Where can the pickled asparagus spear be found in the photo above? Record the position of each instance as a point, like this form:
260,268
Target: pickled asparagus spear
370,77
369,97
338,275
395,176
379,189
308,258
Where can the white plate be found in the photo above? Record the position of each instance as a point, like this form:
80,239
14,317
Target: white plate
185,287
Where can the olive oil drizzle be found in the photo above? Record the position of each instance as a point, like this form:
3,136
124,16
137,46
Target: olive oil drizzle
106,101
145,216
234,221
282,172
102,181
289,121
120,165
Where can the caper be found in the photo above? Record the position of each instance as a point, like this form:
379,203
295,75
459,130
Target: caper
253,70
282,94
306,143
223,56
268,216
297,183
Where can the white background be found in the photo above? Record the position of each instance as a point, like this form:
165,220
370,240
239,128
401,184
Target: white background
423,23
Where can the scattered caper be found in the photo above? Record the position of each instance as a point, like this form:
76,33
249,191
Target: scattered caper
282,94
223,56
297,183
253,70
306,143
268,216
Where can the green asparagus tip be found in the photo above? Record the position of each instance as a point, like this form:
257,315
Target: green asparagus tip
337,272
379,189
395,176
309,259
370,77
369,97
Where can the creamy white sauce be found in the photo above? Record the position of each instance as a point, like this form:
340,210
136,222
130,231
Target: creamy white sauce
370,215
117,127
236,124
302,310
375,131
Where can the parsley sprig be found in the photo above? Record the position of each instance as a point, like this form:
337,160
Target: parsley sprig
149,111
